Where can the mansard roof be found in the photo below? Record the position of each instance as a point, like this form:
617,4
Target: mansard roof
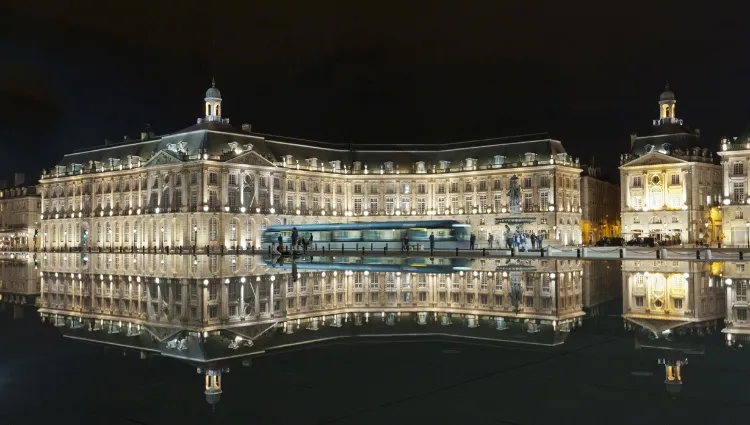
484,150
214,139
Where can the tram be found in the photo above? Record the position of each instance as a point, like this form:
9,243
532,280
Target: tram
449,234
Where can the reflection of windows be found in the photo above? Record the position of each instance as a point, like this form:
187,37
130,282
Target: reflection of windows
739,215
639,301
677,303
741,314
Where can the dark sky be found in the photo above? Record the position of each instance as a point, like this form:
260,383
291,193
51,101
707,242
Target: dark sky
74,73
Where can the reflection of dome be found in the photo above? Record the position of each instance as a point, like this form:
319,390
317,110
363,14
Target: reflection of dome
213,398
213,91
673,388
666,94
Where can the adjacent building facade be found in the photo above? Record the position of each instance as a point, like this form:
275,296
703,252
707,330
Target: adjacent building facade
20,207
671,186
735,161
600,204
216,185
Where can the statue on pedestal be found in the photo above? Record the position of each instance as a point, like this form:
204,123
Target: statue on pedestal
514,195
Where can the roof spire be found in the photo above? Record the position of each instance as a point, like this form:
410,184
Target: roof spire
666,87
213,82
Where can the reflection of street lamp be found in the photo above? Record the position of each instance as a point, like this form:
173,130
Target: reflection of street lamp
747,225
109,232
65,238
195,237
135,234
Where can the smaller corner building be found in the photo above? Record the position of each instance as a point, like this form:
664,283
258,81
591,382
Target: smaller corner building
671,182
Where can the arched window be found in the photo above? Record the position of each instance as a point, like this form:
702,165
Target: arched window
208,109
247,197
218,111
212,229
165,199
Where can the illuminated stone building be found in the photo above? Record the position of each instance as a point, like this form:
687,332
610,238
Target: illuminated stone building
600,204
213,184
670,182
664,296
19,218
207,309
735,160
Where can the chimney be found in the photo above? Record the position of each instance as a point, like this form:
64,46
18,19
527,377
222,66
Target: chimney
107,142
698,132
200,120
125,138
144,135
633,136
18,179
246,127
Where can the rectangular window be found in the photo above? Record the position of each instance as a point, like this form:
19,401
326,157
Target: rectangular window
528,201
358,206
497,185
406,188
675,179
739,215
213,178
440,205
497,201
482,203
742,314
357,188
232,198
544,201
738,192
421,206
233,179
468,203
527,182
468,187
637,182
373,205
289,204
213,199
544,181
738,169
193,199
193,178
389,205
290,185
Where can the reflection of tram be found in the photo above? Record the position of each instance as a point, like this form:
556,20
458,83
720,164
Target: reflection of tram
449,234
377,264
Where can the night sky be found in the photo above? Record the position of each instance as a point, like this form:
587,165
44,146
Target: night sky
589,74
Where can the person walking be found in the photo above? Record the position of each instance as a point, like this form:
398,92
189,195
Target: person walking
432,241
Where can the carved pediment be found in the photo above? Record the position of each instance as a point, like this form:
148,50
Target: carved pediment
250,158
654,158
162,158
178,147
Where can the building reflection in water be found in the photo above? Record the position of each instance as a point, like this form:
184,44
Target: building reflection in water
211,310
673,306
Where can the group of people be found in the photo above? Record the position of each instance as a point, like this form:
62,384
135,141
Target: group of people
524,241
297,242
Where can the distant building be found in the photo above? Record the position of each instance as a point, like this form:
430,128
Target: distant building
20,207
600,204
735,280
215,185
670,182
735,161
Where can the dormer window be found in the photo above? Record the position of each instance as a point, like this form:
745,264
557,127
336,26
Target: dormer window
388,167
562,157
312,162
421,167
529,157
499,160
470,163
357,166
335,165
649,148
444,165
288,159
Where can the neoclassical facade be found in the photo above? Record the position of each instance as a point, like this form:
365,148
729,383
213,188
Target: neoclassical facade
19,219
216,185
735,161
671,186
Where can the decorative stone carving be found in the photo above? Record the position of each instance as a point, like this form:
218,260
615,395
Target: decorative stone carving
250,158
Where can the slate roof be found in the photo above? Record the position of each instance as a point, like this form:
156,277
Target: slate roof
213,138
